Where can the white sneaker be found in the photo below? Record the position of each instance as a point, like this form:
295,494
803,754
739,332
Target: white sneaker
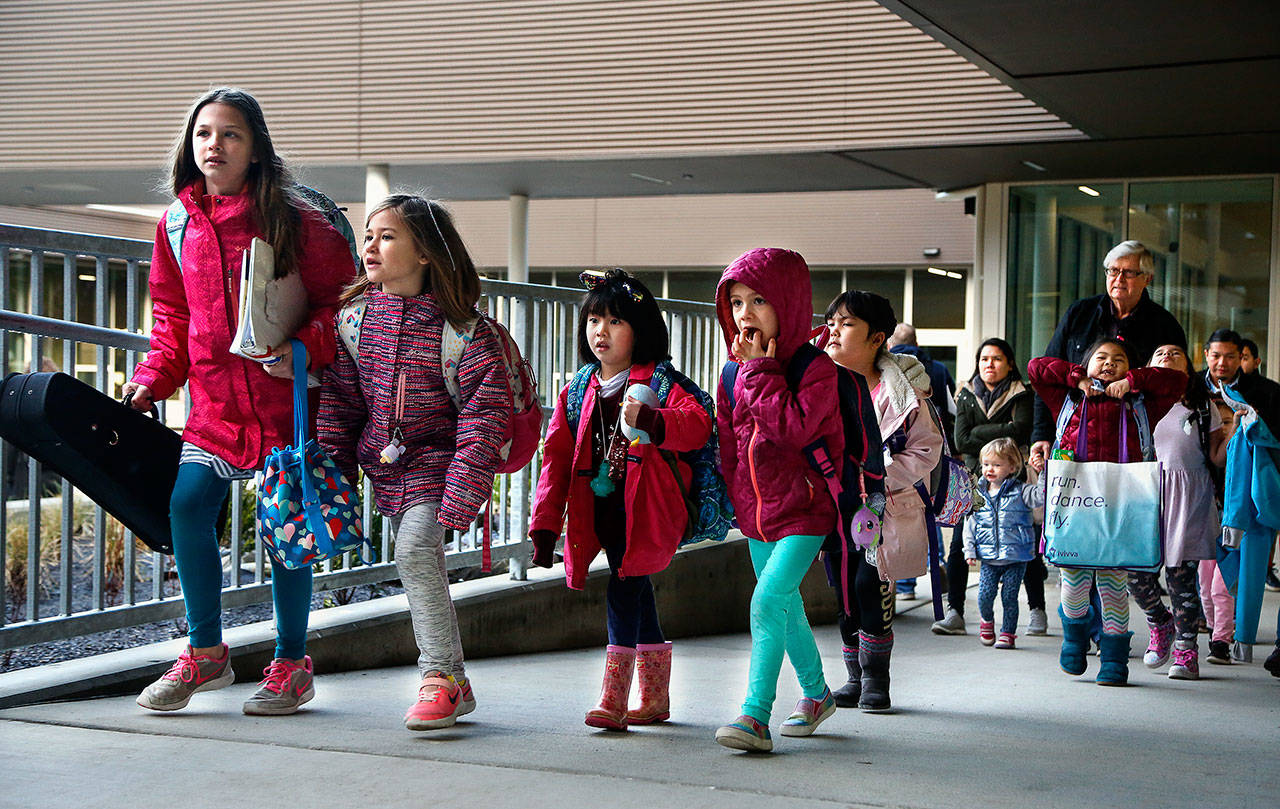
952,624
1038,623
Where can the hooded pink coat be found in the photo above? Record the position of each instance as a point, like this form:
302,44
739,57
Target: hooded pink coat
656,515
774,490
238,412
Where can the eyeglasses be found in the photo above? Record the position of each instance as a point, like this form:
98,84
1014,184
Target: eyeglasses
1112,272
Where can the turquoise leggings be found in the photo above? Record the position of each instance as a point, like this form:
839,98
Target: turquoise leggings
778,623
193,516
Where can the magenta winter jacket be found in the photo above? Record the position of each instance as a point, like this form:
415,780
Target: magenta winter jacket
449,456
656,514
238,411
774,490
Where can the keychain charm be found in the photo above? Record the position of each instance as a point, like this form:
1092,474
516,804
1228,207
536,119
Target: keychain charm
393,451
600,484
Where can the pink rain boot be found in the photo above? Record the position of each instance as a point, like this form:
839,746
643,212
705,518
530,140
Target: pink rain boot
653,668
611,713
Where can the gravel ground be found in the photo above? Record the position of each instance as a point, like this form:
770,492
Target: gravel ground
128,637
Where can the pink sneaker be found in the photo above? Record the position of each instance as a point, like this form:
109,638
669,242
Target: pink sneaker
188,675
987,632
468,701
439,703
285,687
1186,661
1006,640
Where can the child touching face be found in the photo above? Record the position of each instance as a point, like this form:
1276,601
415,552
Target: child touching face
757,323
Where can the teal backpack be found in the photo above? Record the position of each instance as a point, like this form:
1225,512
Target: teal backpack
707,501
176,218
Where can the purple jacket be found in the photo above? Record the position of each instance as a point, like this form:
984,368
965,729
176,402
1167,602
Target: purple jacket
775,492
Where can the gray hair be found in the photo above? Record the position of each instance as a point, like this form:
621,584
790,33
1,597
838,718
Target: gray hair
1132,247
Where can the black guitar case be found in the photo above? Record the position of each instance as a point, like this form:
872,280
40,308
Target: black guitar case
124,460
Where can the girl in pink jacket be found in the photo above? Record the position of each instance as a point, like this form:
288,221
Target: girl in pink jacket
764,304
232,187
859,324
623,497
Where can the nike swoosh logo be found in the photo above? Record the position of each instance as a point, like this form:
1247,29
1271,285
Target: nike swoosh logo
453,700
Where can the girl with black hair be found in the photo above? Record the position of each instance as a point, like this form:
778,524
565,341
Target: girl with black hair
858,325
622,496
232,186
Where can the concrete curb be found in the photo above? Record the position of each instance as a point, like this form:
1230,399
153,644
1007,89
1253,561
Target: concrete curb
705,591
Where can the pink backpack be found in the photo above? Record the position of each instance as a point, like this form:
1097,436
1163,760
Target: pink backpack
524,429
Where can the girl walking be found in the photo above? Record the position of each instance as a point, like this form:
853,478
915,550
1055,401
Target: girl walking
1107,379
385,407
232,187
1002,536
1187,440
859,324
763,303
623,499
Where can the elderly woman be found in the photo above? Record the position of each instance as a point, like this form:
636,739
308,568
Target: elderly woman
1126,313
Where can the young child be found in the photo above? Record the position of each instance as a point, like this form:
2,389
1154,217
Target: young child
1002,535
226,174
1187,440
623,499
859,324
1107,379
763,304
389,412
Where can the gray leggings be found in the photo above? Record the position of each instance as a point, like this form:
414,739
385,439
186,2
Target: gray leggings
420,560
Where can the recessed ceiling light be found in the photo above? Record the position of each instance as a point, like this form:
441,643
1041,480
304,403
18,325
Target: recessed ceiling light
1087,190
936,271
648,179
1035,166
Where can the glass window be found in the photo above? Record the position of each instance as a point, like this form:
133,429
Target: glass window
827,284
692,285
886,283
938,298
1058,236
1212,242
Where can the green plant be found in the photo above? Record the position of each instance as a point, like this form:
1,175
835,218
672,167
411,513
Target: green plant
15,561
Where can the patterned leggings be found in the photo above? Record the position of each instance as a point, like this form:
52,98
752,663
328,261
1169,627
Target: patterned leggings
1182,593
1113,589
1009,577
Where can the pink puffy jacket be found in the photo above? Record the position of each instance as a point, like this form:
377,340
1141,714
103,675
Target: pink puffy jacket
238,412
774,490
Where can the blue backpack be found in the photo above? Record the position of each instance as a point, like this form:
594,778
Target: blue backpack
176,219
707,501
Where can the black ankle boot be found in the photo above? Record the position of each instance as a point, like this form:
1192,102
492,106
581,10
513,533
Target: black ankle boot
1272,663
847,695
873,657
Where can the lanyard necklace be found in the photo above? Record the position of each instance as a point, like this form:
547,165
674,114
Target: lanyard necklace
613,464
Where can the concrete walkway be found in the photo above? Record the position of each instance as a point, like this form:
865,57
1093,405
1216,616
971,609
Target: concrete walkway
974,727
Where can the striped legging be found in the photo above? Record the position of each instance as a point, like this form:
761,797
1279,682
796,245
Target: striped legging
1113,589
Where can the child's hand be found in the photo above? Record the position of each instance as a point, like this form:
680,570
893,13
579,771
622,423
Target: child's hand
1086,385
970,561
282,368
750,345
142,398
1118,389
631,411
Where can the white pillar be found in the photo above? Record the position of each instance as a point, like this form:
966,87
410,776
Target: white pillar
518,270
518,239
377,184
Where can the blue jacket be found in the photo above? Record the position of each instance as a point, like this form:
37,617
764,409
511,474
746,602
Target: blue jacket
1252,500
1002,530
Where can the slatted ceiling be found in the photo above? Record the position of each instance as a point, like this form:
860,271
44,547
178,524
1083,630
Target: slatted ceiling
408,81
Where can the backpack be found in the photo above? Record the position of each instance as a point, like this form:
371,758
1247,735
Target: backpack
176,219
862,473
707,500
524,429
954,490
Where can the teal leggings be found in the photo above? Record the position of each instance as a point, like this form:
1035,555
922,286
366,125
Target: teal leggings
193,516
778,623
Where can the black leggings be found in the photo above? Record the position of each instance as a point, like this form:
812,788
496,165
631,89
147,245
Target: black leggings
872,605
1183,593
631,612
958,575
